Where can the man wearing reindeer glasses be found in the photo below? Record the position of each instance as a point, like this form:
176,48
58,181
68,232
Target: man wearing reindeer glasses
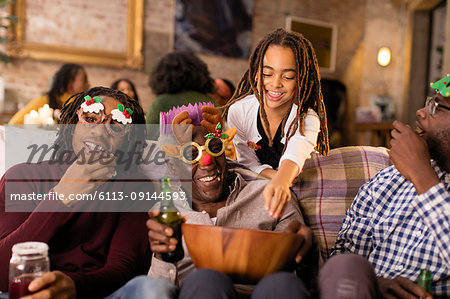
218,195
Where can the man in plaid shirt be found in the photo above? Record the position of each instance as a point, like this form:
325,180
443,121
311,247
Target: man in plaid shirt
400,220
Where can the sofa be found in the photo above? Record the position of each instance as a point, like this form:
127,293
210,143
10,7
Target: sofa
325,190
328,185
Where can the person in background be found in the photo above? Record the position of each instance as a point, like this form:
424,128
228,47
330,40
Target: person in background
400,220
179,78
127,87
279,113
68,80
224,90
91,253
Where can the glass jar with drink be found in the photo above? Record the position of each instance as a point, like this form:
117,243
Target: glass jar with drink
29,261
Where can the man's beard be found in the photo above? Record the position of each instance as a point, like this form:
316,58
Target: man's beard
439,146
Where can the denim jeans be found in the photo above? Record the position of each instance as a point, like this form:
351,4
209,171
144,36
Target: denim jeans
348,276
343,276
145,287
210,284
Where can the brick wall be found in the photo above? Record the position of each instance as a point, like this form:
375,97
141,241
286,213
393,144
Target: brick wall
363,26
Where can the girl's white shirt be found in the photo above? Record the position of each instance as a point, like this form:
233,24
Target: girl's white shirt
243,115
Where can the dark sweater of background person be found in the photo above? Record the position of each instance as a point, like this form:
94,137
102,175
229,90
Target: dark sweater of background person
179,78
99,251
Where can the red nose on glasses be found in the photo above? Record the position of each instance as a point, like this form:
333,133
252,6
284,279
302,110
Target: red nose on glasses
206,159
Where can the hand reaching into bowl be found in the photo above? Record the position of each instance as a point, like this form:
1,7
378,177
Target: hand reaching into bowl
303,230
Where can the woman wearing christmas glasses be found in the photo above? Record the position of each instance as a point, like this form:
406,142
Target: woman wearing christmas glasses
93,253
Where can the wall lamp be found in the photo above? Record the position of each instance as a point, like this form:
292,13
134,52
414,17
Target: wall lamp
384,56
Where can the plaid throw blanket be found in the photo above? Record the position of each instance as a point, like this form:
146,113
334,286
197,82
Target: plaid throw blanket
328,185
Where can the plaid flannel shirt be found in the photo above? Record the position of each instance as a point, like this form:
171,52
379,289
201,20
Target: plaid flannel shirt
399,231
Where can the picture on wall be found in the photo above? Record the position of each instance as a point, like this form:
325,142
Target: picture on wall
323,37
70,33
216,27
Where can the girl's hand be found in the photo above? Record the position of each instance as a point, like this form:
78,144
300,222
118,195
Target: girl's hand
277,193
268,173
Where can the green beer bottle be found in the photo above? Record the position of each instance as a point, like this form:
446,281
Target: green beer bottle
424,280
170,216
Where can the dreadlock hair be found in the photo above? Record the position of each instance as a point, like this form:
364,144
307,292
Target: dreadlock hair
181,71
307,95
134,141
61,80
115,85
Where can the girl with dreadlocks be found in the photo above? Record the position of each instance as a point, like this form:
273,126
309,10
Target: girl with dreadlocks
70,79
279,113
96,126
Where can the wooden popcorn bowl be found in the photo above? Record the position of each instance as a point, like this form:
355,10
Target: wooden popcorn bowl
246,255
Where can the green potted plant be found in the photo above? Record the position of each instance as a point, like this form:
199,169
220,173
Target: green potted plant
5,22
